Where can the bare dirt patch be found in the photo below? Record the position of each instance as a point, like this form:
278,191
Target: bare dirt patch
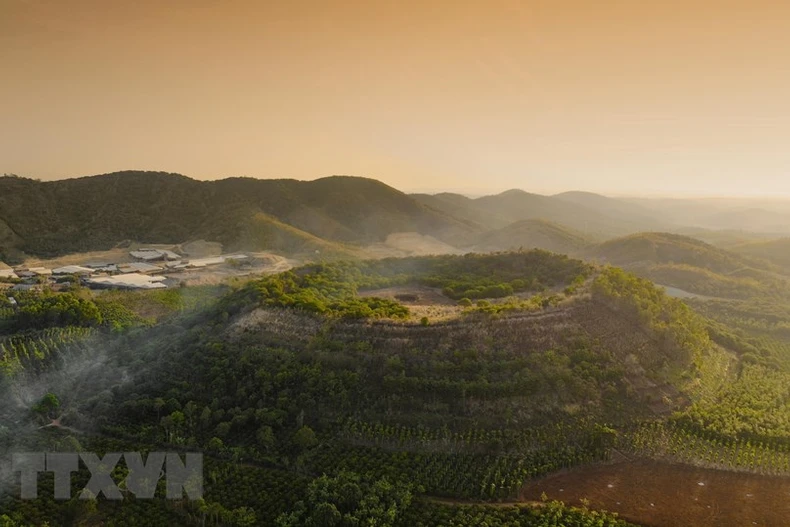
422,301
262,263
658,494
117,255
411,295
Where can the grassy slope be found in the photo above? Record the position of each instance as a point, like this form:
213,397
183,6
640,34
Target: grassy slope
531,234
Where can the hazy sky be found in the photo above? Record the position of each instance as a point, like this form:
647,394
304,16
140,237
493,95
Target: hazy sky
626,97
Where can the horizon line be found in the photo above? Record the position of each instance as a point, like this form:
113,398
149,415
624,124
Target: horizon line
470,192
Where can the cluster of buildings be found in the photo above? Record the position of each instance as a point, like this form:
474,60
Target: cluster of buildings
147,271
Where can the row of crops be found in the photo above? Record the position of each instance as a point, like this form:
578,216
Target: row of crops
674,441
34,350
453,475
512,440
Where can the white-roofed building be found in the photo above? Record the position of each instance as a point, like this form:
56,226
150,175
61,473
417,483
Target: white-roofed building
215,260
138,267
150,255
73,269
7,273
204,262
103,267
129,281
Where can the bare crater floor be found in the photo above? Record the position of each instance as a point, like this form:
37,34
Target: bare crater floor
658,494
422,301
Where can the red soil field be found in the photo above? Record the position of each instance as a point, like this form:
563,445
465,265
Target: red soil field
656,494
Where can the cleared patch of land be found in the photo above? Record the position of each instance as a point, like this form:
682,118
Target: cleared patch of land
411,295
659,494
116,255
422,301
262,263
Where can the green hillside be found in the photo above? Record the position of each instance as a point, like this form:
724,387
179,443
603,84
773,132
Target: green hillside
775,251
692,265
666,248
594,215
95,213
264,231
297,375
533,234
336,376
519,205
464,207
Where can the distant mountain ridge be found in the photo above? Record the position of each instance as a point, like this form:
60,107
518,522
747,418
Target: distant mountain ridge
97,212
593,215
337,215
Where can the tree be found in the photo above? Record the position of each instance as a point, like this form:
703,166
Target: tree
48,406
305,438
5,521
349,500
215,445
265,437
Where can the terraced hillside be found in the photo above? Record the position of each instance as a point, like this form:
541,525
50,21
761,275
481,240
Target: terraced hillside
547,363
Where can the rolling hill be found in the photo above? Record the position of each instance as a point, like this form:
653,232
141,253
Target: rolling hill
533,234
558,367
667,248
637,216
464,207
594,215
343,216
296,375
775,251
747,215
693,265
95,213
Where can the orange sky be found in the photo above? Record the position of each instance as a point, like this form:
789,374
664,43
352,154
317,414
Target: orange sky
626,97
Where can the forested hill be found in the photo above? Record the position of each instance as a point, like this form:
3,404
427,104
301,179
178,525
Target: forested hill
93,213
594,215
381,372
533,233
344,216
422,381
695,266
